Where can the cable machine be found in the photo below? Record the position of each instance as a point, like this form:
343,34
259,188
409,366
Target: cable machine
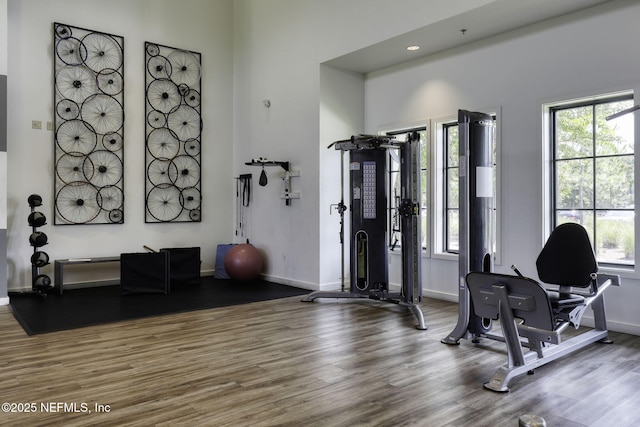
368,240
475,145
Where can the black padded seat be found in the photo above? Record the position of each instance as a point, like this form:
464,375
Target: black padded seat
564,300
567,260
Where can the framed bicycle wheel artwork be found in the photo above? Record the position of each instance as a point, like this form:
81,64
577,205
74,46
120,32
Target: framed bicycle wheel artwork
173,134
88,123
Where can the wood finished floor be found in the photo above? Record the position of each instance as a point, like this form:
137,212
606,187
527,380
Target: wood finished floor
289,363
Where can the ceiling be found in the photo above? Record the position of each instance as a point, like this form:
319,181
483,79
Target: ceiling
489,20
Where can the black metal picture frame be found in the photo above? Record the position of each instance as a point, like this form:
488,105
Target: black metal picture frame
173,134
89,126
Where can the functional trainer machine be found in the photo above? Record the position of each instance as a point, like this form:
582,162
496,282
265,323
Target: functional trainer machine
369,244
532,318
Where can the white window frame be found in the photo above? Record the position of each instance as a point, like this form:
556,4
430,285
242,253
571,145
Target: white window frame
547,167
400,128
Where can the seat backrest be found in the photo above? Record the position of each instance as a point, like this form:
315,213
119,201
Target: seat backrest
567,259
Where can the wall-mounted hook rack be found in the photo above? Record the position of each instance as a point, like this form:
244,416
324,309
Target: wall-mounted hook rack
264,162
287,194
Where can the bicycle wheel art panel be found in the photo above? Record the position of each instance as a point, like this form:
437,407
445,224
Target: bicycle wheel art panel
89,121
173,134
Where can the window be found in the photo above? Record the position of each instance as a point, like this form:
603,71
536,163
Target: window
439,207
450,191
394,186
592,174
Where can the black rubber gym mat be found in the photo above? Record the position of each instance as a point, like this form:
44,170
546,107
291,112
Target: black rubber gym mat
83,307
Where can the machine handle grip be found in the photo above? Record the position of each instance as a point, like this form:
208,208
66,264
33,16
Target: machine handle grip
514,268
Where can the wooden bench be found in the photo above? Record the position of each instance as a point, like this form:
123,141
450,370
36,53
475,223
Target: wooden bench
59,264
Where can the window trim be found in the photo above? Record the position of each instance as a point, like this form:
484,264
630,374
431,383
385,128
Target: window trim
438,205
402,129
446,169
548,204
549,167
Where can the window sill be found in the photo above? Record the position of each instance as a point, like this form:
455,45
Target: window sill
445,256
624,272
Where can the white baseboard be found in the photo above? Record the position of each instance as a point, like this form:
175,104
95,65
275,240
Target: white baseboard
625,328
4,301
290,282
444,296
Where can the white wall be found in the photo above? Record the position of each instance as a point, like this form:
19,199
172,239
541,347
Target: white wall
278,48
3,37
341,115
203,26
3,152
271,62
587,53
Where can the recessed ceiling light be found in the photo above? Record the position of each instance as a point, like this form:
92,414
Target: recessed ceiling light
413,47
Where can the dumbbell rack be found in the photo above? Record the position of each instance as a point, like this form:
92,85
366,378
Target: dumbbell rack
40,283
